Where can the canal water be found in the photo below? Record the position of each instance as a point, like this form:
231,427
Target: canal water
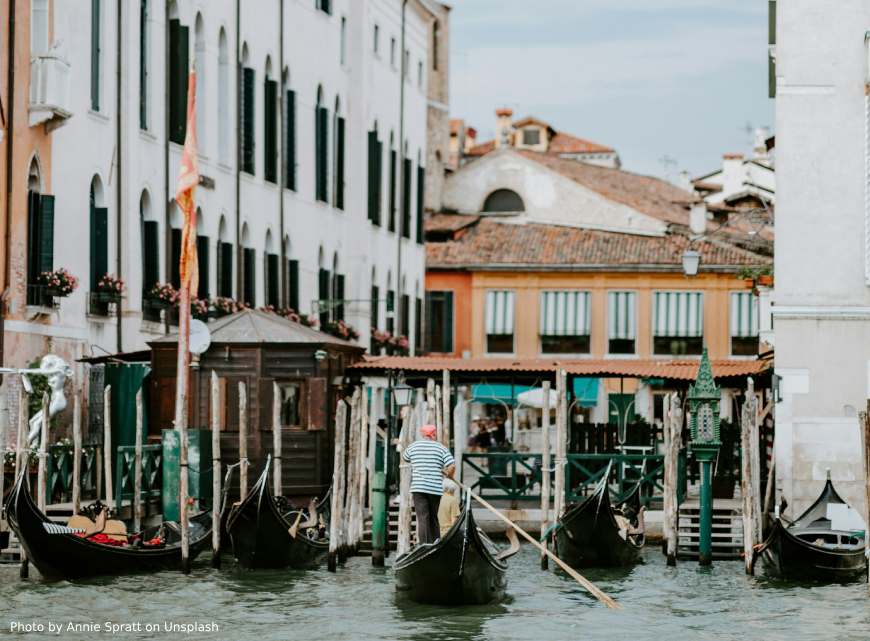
359,602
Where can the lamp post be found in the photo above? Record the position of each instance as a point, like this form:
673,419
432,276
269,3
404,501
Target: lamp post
703,400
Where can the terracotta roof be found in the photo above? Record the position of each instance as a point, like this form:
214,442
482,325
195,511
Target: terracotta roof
449,222
648,195
492,242
683,370
531,120
563,143
703,185
481,149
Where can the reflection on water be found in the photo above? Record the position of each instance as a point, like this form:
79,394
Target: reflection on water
359,602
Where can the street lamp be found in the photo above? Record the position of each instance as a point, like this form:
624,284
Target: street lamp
403,394
691,262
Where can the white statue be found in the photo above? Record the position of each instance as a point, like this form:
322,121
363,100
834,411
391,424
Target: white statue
55,369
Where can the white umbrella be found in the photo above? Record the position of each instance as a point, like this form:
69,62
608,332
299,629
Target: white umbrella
535,398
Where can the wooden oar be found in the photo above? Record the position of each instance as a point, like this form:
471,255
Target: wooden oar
588,585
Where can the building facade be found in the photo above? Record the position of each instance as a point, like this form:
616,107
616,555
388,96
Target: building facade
822,296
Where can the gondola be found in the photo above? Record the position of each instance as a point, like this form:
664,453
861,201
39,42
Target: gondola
60,554
811,549
594,534
261,535
461,568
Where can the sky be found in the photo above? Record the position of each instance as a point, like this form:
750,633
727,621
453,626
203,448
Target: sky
670,84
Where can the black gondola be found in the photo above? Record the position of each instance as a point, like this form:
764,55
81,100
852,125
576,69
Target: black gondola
59,555
809,549
589,536
461,568
261,534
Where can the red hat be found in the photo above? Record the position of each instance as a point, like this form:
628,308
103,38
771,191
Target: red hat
428,431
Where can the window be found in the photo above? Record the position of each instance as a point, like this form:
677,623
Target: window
392,212
150,258
439,322
249,276
175,257
499,322
291,404
290,142
565,322
38,28
40,242
531,136
376,40
374,315
199,61
99,243
405,311
418,326
324,5
202,247
503,200
272,281
744,324
375,178
178,71
435,37
338,196
321,150
621,322
407,196
421,186
343,45
225,272
270,133
96,19
323,295
678,323
293,284
223,101
338,296
144,52
393,53
248,120
391,309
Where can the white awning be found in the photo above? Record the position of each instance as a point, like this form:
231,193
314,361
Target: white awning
621,318
744,315
678,314
565,313
500,312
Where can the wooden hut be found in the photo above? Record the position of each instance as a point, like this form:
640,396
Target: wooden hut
259,349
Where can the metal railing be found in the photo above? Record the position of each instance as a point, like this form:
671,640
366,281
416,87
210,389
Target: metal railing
504,475
59,473
152,473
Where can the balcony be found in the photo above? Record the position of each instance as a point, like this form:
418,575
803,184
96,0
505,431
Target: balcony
49,91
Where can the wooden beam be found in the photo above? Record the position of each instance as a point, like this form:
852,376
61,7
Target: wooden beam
107,443
445,410
243,441
137,462
77,454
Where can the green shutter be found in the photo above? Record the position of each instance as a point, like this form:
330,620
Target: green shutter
321,153
447,324
372,175
95,55
202,264
226,272
270,144
290,132
373,315
418,326
379,180
339,164
99,244
248,120
46,233
392,212
175,257
272,279
407,171
33,220
143,64
405,302
178,69
249,277
323,294
293,284
338,283
771,40
421,186
150,255
391,307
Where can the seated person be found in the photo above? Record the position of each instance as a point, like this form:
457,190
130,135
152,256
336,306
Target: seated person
448,508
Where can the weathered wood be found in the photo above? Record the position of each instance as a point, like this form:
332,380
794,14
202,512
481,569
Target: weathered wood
545,468
460,430
445,410
429,419
351,496
439,419
276,440
406,437
137,473
107,443
373,395
77,454
755,466
337,498
22,460
42,463
747,418
243,440
771,484
3,448
362,459
215,471
561,447
673,425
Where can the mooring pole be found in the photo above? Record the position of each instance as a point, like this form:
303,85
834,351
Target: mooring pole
243,441
403,544
107,443
216,472
445,409
379,522
41,489
748,490
673,425
545,469
22,461
77,455
337,498
137,472
705,543
276,439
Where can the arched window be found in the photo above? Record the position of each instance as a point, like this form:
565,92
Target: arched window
179,67
223,101
40,233
247,114
273,278
337,290
323,288
150,255
270,125
339,156
407,171
202,258
503,200
291,277
321,148
99,243
175,225
225,261
144,63
201,102
249,270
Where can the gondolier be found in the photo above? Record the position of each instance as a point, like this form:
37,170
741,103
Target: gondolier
430,463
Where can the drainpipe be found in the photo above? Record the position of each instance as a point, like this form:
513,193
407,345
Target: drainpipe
397,306
10,135
282,155
238,251
167,234
119,195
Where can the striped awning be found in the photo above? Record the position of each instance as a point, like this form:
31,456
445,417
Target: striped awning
565,313
500,312
678,314
621,318
744,315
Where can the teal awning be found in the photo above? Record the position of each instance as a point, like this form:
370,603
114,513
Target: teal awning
585,389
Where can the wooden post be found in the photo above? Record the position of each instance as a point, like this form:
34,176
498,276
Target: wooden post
771,483
362,458
445,411
107,443
545,469
276,440
216,472
351,494
77,455
747,417
243,441
405,439
673,425
337,499
429,419
561,428
373,440
439,419
43,456
755,466
22,461
137,461
3,448
460,430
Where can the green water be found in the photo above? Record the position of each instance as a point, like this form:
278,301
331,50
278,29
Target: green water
359,602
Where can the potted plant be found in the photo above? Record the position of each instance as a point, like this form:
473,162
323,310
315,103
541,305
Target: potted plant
199,309
109,289
59,283
342,330
223,306
162,296
398,346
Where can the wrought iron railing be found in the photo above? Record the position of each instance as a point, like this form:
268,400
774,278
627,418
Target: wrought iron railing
125,466
504,475
59,473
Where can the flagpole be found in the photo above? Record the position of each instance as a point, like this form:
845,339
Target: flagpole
183,370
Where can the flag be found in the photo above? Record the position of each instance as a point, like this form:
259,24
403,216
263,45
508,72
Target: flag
188,178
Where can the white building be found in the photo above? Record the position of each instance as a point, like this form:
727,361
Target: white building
822,257
291,98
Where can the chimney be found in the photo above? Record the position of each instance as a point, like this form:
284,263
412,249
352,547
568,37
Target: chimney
759,146
503,127
732,172
698,218
470,138
684,181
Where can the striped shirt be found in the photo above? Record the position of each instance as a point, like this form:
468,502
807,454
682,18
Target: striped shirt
428,459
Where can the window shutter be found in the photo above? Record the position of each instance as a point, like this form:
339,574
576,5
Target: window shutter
391,311
33,245
248,120
392,213
447,323
175,257
95,55
418,326
406,308
407,170
202,264
421,186
339,296
46,233
272,279
293,282
143,64
339,164
321,153
372,175
226,284
323,294
150,255
374,315
270,146
379,180
178,66
249,275
99,244
290,152
771,41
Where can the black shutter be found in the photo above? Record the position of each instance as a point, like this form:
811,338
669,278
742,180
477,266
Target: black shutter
293,284
99,244
178,69
143,66
392,213
202,264
421,186
379,180
323,294
150,255
226,273
175,257
33,220
418,326
249,277
375,307
95,55
270,144
447,324
372,175
338,314
407,168
290,152
46,233
339,164
405,302
391,311
321,153
771,40
272,279
248,120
